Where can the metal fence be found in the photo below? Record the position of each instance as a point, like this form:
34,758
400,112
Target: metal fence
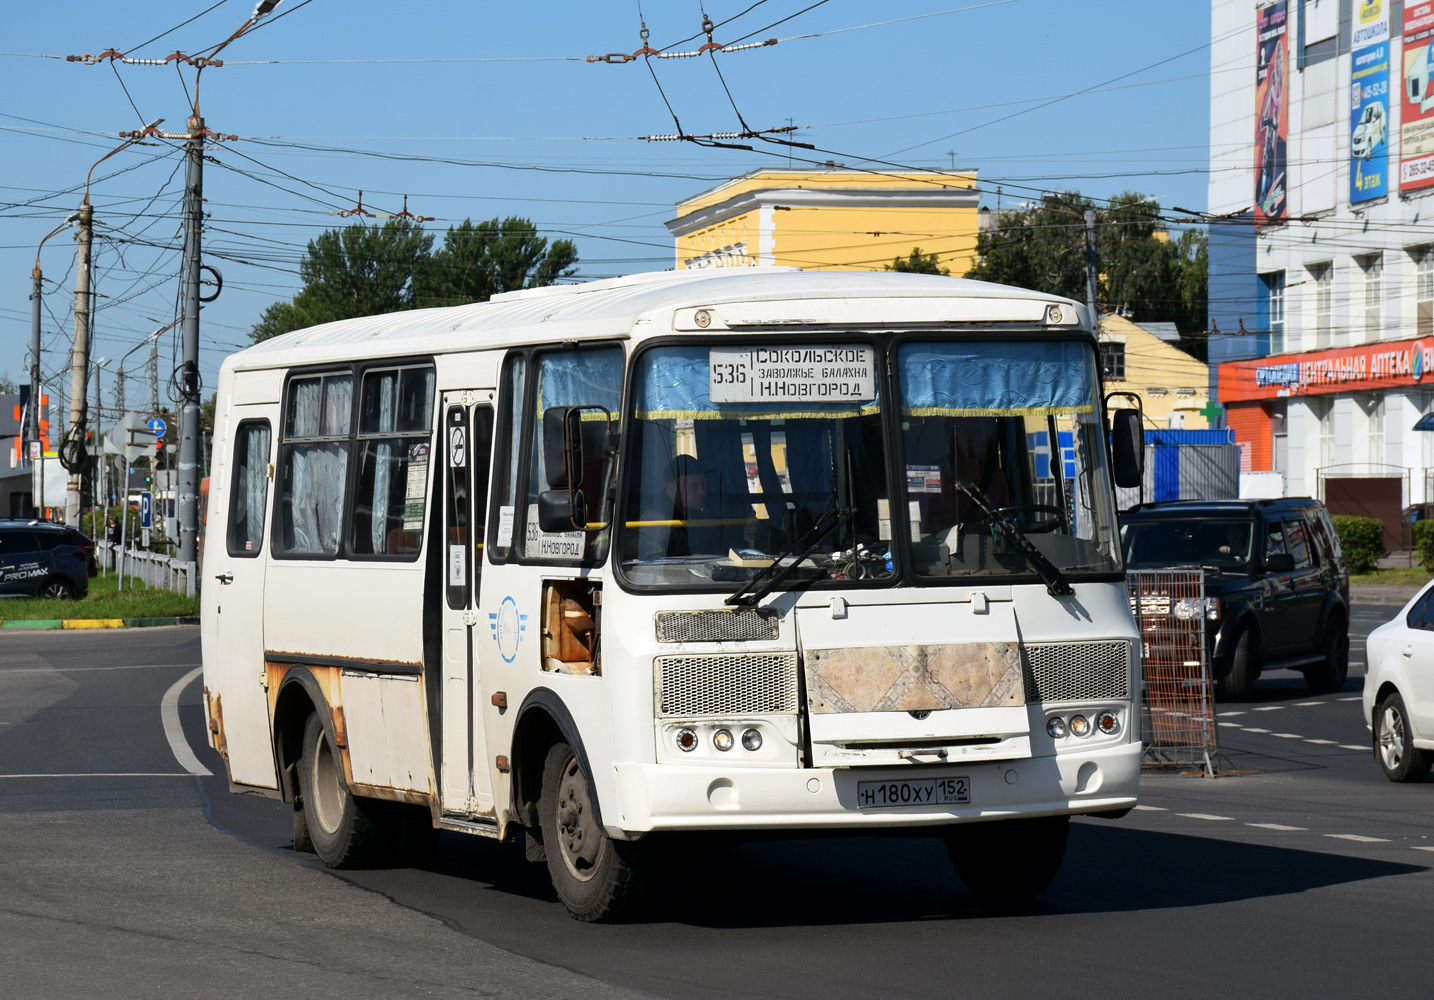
1178,704
155,571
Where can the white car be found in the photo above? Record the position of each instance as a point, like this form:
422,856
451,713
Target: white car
1399,690
1369,133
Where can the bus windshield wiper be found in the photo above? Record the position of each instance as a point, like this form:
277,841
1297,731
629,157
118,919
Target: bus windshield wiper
1056,583
766,579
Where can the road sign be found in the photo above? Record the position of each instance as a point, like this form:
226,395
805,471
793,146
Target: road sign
146,509
121,440
34,451
157,426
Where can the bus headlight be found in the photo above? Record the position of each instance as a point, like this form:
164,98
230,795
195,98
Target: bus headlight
1080,725
722,740
686,740
1108,723
751,740
1056,727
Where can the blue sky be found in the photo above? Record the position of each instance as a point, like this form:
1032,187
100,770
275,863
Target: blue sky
535,130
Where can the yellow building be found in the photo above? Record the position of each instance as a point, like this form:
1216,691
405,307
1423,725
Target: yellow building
1173,386
830,220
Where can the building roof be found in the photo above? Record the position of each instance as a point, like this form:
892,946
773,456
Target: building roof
753,296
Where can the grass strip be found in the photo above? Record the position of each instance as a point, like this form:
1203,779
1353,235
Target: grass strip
105,601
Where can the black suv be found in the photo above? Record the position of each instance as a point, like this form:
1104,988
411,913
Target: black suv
1276,584
39,559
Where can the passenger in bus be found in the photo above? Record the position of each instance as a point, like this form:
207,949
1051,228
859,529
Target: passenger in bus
676,535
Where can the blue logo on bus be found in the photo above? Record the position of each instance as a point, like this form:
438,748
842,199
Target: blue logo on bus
508,627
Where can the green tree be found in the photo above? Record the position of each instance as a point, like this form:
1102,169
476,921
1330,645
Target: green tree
479,260
1042,247
918,263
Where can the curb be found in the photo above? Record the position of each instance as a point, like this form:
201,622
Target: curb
84,623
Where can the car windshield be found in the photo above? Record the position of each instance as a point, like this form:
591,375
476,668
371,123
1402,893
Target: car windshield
737,453
1004,431
1157,544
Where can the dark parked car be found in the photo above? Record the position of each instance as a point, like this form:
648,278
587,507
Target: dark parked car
39,559
1276,584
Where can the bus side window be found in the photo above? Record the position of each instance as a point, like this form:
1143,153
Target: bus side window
313,465
481,456
395,416
508,446
467,483
249,494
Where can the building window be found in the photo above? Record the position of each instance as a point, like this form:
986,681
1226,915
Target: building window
1323,277
1112,360
1376,431
1423,291
1275,309
1326,433
1373,268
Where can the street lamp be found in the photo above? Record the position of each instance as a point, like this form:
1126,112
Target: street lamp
98,493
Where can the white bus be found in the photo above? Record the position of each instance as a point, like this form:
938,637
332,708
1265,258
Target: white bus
607,565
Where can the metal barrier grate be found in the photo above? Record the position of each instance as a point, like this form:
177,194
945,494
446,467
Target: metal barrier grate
1077,671
716,626
756,684
1178,713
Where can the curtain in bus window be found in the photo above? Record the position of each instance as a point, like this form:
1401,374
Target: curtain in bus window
677,388
313,498
251,481
1039,378
392,486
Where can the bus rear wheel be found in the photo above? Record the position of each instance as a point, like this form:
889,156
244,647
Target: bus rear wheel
597,878
346,831
1006,861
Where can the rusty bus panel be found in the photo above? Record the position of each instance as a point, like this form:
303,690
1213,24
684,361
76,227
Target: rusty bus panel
214,712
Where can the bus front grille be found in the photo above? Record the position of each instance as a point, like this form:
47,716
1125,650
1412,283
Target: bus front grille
1077,671
745,684
746,625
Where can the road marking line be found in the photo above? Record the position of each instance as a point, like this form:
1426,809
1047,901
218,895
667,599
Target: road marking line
1307,704
1268,708
1358,697
4,671
1323,743
1227,819
1288,736
1423,848
1285,829
108,774
1252,729
169,712
1357,838
1346,746
1228,714
1161,809
1230,725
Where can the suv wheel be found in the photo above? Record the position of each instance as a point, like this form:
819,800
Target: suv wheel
1239,683
1330,673
55,590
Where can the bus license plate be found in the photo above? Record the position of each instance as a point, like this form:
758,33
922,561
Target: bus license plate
917,792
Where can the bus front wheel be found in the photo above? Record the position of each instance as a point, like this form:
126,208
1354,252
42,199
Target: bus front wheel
346,831
1006,861
597,878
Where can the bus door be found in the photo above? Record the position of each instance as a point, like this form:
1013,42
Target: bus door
467,441
237,563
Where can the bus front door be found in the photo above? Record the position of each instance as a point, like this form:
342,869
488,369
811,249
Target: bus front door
467,442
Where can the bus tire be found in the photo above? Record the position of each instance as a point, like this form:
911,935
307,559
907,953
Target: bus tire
597,878
346,831
1006,861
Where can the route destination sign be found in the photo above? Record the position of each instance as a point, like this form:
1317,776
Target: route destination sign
785,374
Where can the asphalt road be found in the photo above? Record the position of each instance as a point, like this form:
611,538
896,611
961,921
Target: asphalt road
131,876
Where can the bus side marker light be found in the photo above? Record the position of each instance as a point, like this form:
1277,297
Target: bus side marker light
686,740
500,700
502,763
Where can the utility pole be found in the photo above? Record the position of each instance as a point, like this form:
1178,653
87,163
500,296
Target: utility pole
79,364
187,492
38,501
1090,269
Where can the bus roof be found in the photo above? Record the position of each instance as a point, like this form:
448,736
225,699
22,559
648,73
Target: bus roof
753,297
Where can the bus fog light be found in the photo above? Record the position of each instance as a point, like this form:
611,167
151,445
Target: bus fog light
1056,726
1108,723
1080,725
722,740
686,740
752,740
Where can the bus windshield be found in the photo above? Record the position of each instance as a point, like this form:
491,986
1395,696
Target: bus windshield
1000,435
737,453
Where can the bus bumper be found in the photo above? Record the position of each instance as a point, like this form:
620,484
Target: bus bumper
672,797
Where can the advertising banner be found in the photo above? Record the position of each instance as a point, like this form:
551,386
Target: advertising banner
1272,115
1341,369
1369,104
1321,20
1416,117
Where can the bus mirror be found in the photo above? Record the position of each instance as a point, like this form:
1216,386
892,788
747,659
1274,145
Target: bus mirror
1127,448
563,446
562,510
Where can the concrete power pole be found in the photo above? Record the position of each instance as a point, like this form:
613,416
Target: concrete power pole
1090,269
187,491
79,366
